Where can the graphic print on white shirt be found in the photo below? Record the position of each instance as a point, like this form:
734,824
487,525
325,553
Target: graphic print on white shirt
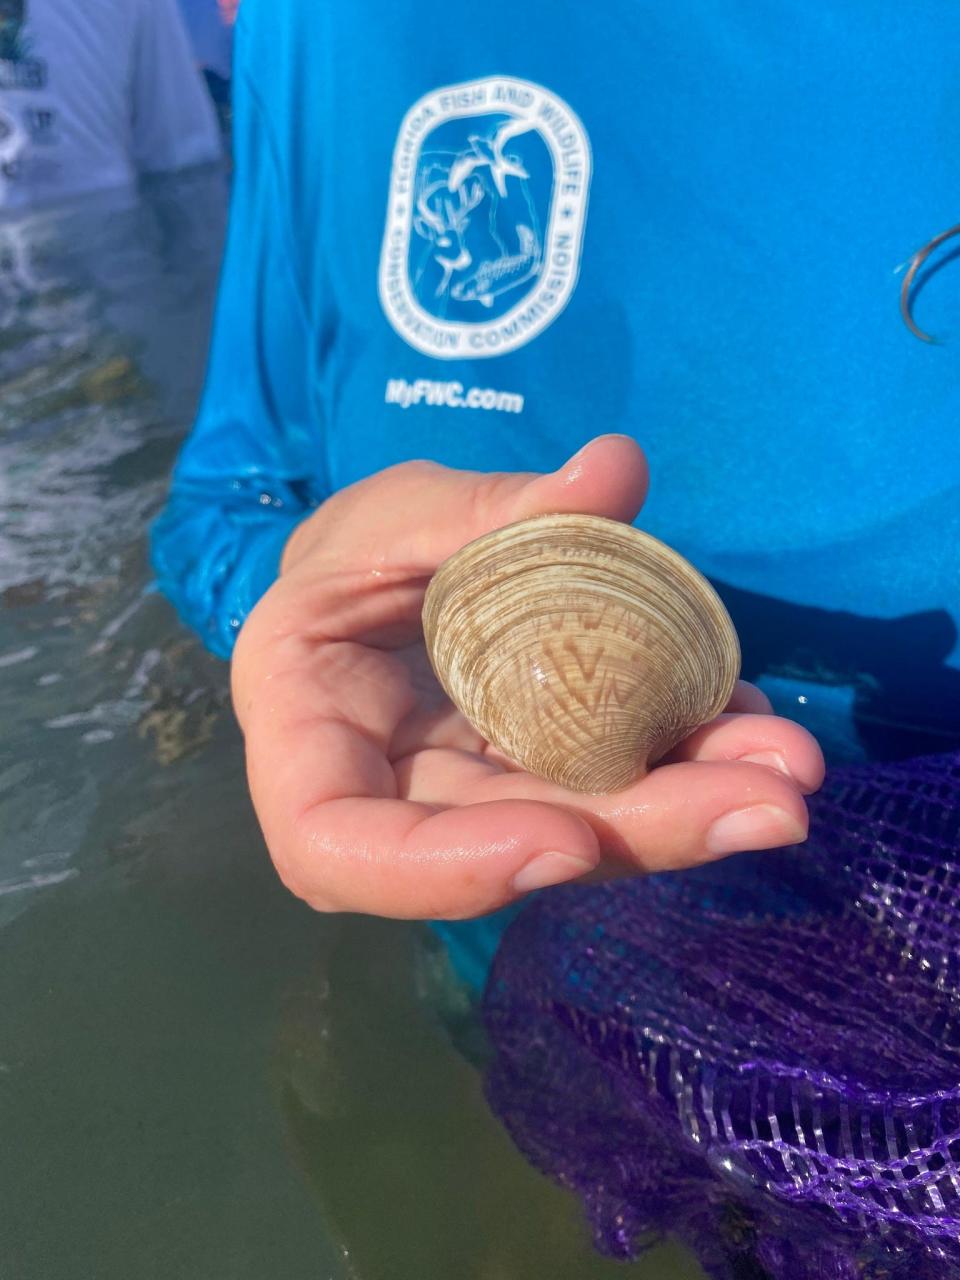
19,69
93,94
485,217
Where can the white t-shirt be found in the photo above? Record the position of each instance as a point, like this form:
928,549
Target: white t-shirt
93,92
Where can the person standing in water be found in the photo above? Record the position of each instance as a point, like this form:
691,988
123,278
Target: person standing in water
92,95
468,243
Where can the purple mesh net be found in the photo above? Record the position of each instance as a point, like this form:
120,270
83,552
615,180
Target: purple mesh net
760,1057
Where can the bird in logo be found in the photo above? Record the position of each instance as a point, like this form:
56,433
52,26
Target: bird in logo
489,151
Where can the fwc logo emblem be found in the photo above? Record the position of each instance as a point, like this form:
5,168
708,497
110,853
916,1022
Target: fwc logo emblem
485,218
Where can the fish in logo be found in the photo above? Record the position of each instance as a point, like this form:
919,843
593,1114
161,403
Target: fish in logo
496,276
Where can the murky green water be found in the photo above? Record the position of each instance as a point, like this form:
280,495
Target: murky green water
199,1078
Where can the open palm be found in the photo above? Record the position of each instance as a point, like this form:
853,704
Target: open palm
376,795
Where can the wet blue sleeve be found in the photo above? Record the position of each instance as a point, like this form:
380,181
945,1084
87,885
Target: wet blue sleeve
250,469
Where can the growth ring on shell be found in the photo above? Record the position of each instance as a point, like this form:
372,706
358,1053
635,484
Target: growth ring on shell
580,647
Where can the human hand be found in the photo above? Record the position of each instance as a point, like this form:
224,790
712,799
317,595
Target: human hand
376,795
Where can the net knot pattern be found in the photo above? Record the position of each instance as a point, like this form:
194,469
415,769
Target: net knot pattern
760,1057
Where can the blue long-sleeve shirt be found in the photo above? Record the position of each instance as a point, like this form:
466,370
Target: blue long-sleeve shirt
482,236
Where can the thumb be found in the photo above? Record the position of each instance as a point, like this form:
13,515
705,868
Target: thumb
607,477
401,523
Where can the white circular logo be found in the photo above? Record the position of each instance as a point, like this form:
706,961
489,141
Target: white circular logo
485,218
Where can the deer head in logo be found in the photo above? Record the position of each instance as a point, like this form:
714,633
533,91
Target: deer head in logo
443,216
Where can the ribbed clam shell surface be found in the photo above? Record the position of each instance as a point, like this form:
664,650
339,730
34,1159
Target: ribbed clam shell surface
580,647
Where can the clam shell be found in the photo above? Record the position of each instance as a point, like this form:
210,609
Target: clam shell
580,647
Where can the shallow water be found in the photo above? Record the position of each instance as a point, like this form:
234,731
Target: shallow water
199,1078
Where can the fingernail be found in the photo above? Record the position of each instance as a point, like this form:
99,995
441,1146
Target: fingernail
609,435
549,868
760,827
572,464
772,759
